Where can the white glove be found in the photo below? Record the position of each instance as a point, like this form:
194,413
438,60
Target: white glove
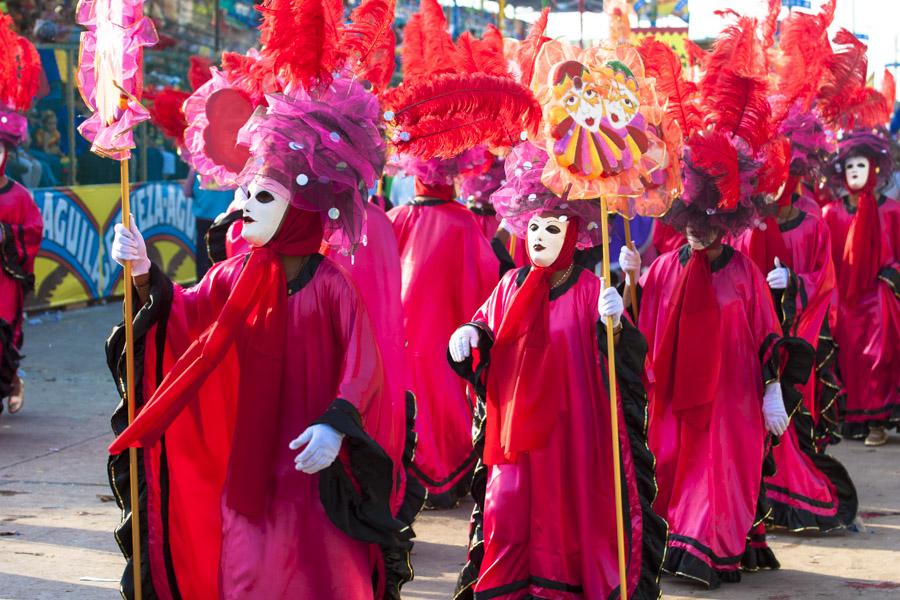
775,416
462,341
779,276
630,262
610,304
128,245
323,443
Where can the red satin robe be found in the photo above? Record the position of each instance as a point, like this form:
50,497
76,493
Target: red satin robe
448,269
294,550
22,228
868,334
810,489
549,518
710,479
375,269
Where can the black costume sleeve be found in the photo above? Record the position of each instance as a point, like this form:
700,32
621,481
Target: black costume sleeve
13,256
155,311
502,254
217,235
891,276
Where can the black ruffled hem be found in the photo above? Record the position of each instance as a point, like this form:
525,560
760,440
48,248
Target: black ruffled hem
156,310
757,558
681,563
450,498
10,358
654,529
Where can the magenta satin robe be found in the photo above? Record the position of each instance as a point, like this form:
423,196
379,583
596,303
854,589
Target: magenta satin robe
549,518
22,228
375,269
810,489
448,269
294,550
710,479
868,334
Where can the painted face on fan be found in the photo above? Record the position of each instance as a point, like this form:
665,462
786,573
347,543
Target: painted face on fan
856,169
701,240
579,95
264,212
546,234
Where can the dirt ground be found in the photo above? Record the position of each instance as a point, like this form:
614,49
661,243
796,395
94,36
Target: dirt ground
56,515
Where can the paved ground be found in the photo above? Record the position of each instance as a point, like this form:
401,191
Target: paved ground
56,514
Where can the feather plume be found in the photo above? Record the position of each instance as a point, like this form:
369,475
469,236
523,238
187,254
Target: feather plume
440,53
484,55
889,90
528,50
252,73
826,15
713,155
775,165
412,54
805,49
28,73
20,68
844,88
739,106
661,63
770,23
697,56
368,41
861,108
167,114
737,49
447,114
198,73
301,38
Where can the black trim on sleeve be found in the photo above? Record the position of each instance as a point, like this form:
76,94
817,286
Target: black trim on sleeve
217,236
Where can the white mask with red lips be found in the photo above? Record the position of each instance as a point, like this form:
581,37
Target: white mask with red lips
546,236
264,211
856,171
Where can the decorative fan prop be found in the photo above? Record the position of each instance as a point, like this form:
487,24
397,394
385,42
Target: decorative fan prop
609,141
110,81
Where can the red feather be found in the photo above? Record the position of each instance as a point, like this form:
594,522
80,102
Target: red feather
697,56
167,114
368,40
20,68
713,153
776,165
198,73
531,46
252,74
413,52
447,114
301,38
661,63
484,55
738,50
889,90
440,53
845,81
770,24
805,50
739,106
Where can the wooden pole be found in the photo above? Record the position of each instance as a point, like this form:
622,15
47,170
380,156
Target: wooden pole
512,245
125,190
614,410
501,16
634,276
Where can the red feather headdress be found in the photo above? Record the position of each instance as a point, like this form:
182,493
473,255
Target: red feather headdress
455,97
20,77
167,113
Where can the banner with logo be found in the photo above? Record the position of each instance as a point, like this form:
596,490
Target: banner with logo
74,263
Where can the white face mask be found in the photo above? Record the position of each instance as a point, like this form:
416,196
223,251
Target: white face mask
264,211
545,238
697,242
857,170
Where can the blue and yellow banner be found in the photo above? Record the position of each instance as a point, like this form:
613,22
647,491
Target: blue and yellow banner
74,263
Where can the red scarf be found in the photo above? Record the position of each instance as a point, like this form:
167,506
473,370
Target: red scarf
252,322
521,394
863,250
765,245
439,191
688,361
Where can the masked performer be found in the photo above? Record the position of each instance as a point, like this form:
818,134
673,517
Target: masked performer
21,226
865,237
264,429
810,490
541,346
715,346
865,234
448,267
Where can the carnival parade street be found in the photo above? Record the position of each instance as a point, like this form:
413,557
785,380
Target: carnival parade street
56,506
